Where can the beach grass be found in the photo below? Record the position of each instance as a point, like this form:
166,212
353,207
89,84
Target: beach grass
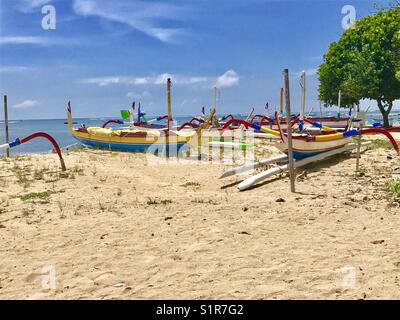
361,171
152,201
191,184
394,187
43,196
380,144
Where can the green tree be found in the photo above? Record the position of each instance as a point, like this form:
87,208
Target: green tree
365,63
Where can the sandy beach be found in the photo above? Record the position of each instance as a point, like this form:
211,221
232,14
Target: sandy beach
114,226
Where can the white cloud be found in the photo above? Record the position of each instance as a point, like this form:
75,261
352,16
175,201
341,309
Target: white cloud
105,81
30,5
150,80
26,104
23,40
15,69
228,79
144,16
143,95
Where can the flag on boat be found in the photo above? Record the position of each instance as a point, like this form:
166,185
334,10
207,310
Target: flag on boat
125,114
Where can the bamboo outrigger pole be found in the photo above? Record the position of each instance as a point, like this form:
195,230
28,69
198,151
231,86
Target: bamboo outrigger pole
289,131
6,123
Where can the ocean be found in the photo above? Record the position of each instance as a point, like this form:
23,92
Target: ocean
59,130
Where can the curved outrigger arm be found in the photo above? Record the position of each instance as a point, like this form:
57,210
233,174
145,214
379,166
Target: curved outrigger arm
19,141
105,124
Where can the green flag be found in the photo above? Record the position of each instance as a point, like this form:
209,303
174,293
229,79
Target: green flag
125,114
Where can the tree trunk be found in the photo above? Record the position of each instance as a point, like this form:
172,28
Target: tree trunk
385,112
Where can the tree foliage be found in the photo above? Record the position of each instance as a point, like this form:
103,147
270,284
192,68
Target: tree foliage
365,63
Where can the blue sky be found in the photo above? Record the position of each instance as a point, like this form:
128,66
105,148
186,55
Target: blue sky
104,54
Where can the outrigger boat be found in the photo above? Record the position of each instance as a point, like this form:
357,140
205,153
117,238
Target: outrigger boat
139,140
135,139
307,147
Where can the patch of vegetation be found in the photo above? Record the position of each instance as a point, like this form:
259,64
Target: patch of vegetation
209,201
394,187
151,201
361,171
77,170
380,144
191,184
21,174
27,212
44,196
3,182
38,174
102,206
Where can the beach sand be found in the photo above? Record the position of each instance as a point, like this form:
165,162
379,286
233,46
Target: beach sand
117,227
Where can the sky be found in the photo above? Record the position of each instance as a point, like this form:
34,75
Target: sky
102,55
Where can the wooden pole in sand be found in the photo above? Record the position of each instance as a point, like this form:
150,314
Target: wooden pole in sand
281,102
6,123
289,131
360,126
169,115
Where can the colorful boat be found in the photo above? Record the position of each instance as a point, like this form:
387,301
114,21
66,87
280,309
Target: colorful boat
306,145
133,140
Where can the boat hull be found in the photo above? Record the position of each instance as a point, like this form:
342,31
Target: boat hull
129,147
304,149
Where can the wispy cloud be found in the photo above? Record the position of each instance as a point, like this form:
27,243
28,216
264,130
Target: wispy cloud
144,16
142,95
30,5
41,41
228,79
24,40
15,69
26,104
152,80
